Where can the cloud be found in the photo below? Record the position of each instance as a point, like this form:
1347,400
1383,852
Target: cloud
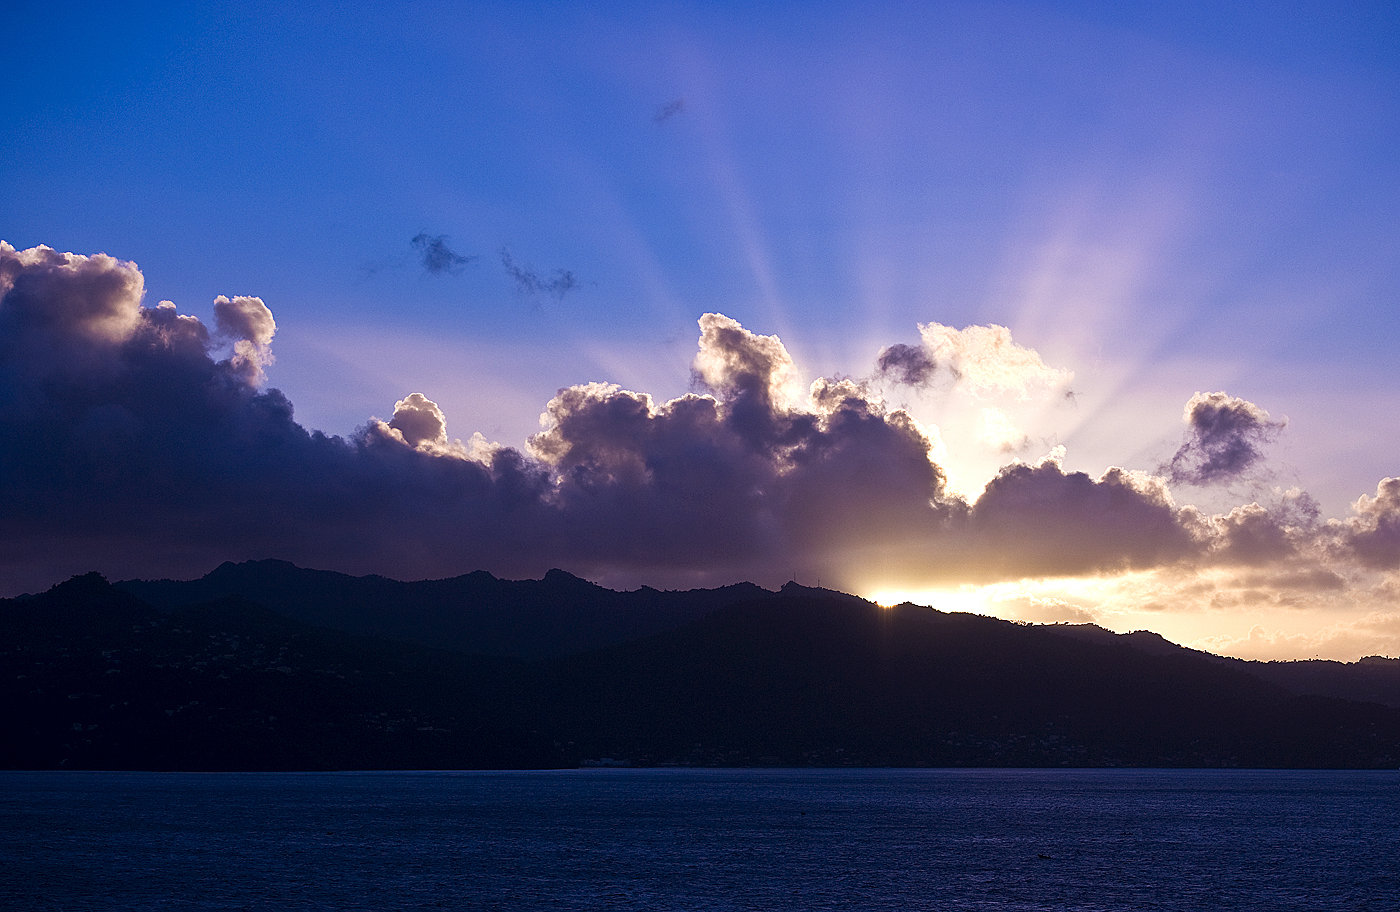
131,447
419,420
1224,442
560,283
128,447
436,256
1045,611
62,311
752,473
1370,634
1039,520
248,323
420,423
668,110
983,360
906,364
1286,532
1306,579
1373,535
1001,434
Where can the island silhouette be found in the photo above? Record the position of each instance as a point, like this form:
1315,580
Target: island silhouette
268,666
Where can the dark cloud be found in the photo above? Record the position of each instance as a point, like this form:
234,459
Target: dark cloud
743,477
1281,533
128,446
136,442
1224,442
560,282
437,258
668,110
1253,536
1038,520
907,364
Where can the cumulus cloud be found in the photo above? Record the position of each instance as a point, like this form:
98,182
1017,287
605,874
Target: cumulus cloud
753,373
527,281
1251,535
156,450
129,446
248,323
62,311
752,472
987,360
1373,535
1286,531
1039,520
1224,441
983,360
419,420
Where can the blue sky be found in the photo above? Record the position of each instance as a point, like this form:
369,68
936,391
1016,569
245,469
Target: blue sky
1160,200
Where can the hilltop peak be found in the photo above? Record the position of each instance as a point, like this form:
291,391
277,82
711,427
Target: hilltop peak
563,577
270,564
794,588
88,583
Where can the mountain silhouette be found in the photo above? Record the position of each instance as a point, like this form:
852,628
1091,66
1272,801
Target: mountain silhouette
562,614
246,669
93,678
1373,679
814,680
476,613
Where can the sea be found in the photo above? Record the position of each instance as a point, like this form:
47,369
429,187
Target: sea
702,839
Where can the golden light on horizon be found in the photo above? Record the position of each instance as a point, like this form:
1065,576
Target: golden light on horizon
970,599
1074,600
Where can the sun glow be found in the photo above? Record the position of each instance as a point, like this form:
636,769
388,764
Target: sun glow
1040,601
971,599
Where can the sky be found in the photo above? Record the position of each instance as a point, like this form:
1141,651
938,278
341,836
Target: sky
1070,312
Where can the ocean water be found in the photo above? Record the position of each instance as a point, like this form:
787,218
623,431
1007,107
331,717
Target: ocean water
703,839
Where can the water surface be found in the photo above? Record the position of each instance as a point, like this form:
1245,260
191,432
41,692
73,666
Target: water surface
703,840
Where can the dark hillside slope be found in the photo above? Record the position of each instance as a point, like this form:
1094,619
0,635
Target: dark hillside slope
93,678
476,613
824,681
562,614
1373,679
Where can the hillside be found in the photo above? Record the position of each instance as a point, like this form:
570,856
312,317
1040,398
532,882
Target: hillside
475,613
93,677
806,680
561,614
1373,679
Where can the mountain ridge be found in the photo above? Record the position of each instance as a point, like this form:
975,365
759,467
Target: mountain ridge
825,681
1373,679
475,612
93,676
515,617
